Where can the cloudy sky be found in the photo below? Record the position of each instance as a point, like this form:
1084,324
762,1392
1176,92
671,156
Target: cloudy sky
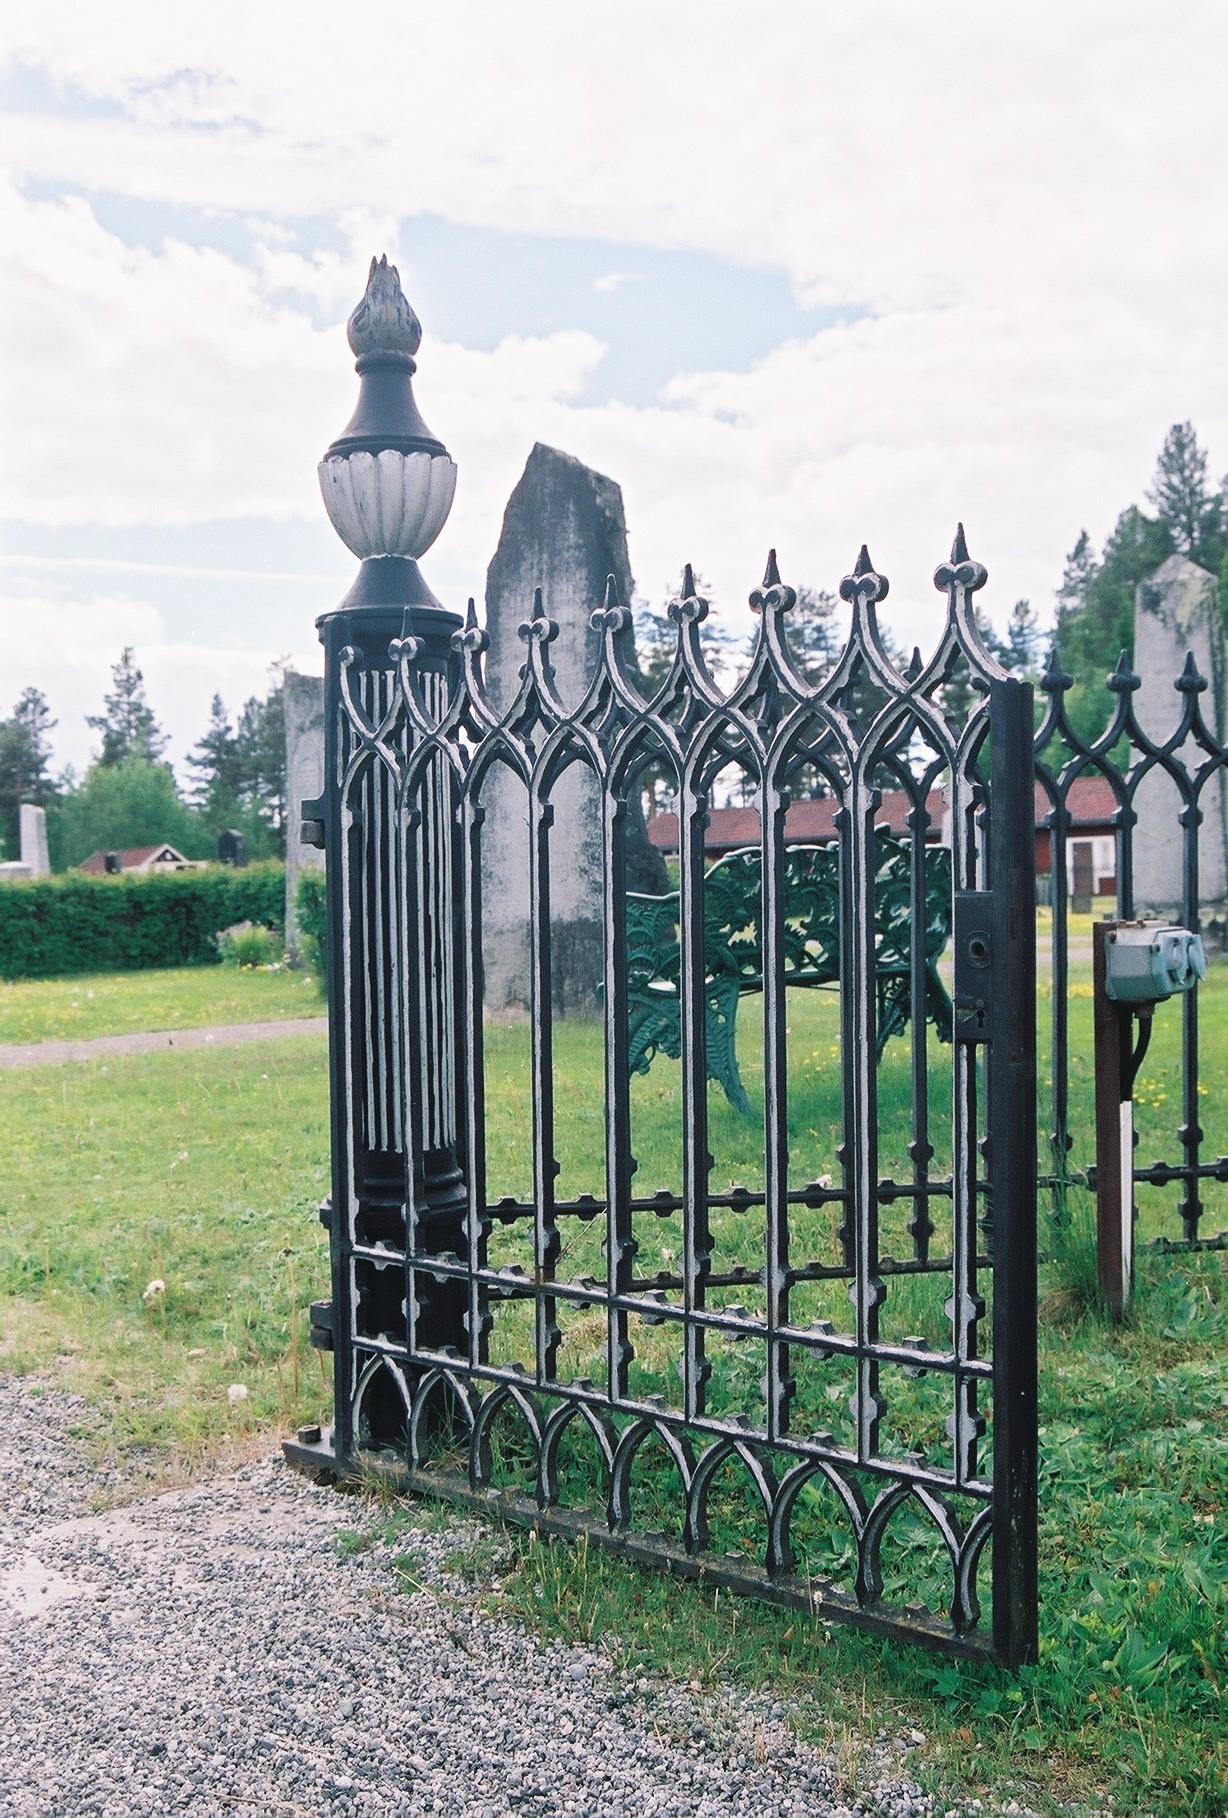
802,274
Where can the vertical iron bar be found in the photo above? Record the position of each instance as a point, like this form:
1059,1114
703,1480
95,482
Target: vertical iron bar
1190,1133
545,1167
696,1159
1012,1099
1060,1006
920,1150
618,1160
859,1000
778,1386
1114,1134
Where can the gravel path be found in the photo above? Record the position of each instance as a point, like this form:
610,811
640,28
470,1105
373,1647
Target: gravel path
221,1035
209,1651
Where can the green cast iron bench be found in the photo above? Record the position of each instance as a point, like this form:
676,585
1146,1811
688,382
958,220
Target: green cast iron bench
734,949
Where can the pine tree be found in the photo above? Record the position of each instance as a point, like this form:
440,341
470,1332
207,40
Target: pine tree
25,760
127,723
812,634
260,747
1021,647
215,758
1185,501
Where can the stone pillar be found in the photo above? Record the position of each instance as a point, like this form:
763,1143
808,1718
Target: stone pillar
34,840
304,716
563,531
1176,616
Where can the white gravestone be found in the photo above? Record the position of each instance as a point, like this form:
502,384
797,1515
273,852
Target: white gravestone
1177,614
34,840
304,713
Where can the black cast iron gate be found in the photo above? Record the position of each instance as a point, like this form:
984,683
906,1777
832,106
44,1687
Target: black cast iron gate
823,1390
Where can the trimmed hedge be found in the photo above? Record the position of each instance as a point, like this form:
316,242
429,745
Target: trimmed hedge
50,927
311,914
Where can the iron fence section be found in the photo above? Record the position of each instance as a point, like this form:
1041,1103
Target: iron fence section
1194,763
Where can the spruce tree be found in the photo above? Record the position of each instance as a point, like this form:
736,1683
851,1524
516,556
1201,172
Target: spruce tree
1185,500
215,759
25,763
127,723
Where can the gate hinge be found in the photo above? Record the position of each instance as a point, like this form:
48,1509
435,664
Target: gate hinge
973,994
311,830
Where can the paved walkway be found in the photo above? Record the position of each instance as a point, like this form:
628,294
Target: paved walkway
225,1035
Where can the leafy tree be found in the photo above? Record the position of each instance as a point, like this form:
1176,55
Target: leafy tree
127,723
25,759
132,803
1185,501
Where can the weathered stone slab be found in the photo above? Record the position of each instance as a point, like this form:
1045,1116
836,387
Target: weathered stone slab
563,531
304,715
1177,614
34,840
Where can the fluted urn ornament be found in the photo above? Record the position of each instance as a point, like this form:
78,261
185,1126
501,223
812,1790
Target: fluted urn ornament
387,482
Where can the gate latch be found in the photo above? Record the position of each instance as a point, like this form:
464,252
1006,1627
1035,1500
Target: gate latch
973,994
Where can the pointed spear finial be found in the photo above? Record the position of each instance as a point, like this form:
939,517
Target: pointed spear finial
863,564
539,609
959,548
771,574
915,665
688,582
471,616
611,593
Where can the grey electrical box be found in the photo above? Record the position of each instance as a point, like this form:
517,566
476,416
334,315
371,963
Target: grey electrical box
1147,961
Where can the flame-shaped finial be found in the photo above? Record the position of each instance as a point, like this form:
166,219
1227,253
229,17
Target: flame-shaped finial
471,616
863,564
771,574
688,582
611,593
384,322
959,548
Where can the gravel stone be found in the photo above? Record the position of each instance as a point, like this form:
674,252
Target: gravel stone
209,1651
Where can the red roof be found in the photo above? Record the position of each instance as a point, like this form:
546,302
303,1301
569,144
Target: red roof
1091,802
131,858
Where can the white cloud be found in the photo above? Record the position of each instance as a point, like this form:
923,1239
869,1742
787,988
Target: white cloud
67,647
1014,193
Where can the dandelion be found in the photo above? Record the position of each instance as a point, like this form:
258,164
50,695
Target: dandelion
236,1393
154,1290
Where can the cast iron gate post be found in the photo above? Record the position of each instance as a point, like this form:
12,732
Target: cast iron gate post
393,894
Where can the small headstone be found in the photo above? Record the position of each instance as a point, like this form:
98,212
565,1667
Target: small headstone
112,864
1177,614
563,531
231,848
304,715
34,839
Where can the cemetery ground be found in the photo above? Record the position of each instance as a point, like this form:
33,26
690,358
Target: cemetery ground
159,1244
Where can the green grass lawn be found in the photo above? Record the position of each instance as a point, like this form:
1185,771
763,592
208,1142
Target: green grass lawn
181,997
202,1170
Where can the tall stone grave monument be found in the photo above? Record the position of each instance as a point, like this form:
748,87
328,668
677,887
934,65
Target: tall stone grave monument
304,715
33,822
563,531
1177,615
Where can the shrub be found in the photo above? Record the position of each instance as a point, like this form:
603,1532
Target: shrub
311,913
248,944
50,927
